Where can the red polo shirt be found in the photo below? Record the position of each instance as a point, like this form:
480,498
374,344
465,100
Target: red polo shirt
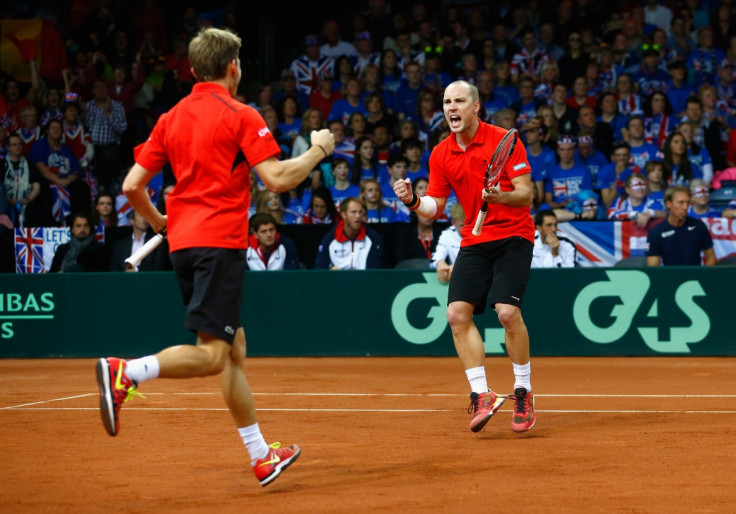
451,168
211,141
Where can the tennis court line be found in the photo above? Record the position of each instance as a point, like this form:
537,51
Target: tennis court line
458,395
394,395
548,411
46,401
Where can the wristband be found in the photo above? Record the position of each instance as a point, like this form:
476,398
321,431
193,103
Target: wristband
322,148
425,208
414,203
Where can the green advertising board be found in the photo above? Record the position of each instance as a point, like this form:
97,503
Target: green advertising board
569,312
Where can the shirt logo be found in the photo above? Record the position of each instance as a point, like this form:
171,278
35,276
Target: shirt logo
263,132
520,166
668,233
690,228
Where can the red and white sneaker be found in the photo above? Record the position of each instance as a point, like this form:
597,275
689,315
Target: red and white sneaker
483,406
277,460
115,389
523,418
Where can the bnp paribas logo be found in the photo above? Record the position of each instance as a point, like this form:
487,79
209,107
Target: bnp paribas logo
636,307
16,307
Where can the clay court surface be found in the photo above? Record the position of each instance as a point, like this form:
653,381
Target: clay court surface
378,435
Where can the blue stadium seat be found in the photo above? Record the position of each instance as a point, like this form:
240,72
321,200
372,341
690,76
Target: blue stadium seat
720,198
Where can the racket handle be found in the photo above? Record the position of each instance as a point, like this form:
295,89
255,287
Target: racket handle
135,259
480,219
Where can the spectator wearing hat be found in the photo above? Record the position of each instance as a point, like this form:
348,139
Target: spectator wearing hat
651,77
586,206
704,60
678,89
589,157
310,67
726,86
365,54
566,179
334,46
288,88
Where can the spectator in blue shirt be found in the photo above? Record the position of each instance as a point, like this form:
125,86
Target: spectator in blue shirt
566,179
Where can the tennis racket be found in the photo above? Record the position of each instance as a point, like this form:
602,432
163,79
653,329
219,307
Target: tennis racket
493,172
143,252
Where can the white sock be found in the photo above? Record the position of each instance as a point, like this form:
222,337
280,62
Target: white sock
523,373
140,370
254,442
477,379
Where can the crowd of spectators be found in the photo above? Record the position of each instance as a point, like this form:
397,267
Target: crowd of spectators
615,101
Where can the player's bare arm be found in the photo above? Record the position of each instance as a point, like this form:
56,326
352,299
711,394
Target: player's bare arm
520,196
422,206
134,187
280,176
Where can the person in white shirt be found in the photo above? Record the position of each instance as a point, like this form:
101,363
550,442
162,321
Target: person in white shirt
550,249
448,245
158,260
335,47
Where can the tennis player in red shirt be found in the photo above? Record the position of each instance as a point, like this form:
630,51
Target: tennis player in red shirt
212,142
493,265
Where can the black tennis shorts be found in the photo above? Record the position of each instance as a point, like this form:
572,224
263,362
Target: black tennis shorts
500,268
211,283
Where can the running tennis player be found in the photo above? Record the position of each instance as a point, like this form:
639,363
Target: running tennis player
497,261
212,142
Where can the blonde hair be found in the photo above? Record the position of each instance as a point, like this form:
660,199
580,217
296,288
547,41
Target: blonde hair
457,212
211,52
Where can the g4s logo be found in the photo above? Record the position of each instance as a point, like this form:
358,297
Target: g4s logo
631,287
432,289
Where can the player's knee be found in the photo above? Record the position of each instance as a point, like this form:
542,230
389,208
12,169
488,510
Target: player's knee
216,363
508,315
217,355
458,317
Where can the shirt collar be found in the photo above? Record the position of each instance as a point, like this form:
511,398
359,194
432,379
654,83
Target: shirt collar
478,139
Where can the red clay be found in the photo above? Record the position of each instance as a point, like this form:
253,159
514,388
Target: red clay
180,452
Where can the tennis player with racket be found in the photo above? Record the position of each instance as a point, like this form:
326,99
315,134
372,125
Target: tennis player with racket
211,141
487,168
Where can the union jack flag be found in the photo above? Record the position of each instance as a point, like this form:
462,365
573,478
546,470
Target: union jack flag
309,73
61,205
29,250
559,187
124,209
89,179
35,247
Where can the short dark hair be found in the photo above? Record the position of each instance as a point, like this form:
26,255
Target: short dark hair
394,158
539,216
261,218
88,217
411,142
620,144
